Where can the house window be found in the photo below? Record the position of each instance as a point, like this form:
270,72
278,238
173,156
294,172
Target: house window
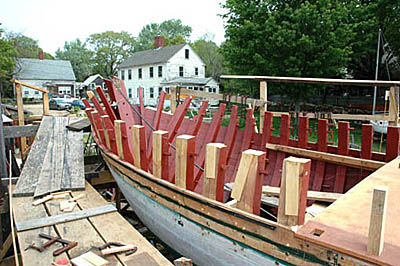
36,92
129,74
215,90
201,88
196,88
167,90
151,92
181,71
104,86
159,71
151,72
123,74
187,53
130,93
26,92
140,73
92,84
196,71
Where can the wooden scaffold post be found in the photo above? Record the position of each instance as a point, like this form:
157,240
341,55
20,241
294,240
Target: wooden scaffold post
263,109
293,192
184,162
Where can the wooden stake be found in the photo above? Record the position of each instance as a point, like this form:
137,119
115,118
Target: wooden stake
20,106
263,97
46,109
160,156
213,186
293,192
377,221
184,163
248,182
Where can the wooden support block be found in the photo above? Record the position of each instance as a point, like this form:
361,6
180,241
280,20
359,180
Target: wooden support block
184,163
231,203
263,97
248,182
69,207
42,200
109,251
94,259
214,177
183,262
293,192
377,221
139,147
118,137
160,154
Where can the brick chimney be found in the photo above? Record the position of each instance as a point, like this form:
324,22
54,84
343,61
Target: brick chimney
41,55
158,42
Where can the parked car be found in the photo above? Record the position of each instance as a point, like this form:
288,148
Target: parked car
59,104
79,104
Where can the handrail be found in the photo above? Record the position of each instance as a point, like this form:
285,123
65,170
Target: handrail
326,81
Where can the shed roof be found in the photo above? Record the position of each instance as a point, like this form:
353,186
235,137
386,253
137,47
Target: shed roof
90,79
153,56
36,69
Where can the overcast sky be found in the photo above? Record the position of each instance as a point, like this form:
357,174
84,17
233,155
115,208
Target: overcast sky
52,22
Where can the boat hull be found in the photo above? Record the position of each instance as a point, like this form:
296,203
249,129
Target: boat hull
192,240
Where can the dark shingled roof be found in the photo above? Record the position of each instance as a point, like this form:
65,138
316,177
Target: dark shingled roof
36,69
153,56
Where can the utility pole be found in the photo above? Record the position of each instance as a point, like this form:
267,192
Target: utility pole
376,70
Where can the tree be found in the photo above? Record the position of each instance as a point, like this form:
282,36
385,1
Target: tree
26,47
110,49
169,29
7,64
80,57
210,54
288,38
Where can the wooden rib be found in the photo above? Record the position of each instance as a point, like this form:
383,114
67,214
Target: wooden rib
96,103
343,149
392,143
156,123
322,147
106,104
328,157
231,131
198,119
177,119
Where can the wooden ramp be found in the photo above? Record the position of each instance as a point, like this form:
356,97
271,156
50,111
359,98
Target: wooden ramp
93,222
344,225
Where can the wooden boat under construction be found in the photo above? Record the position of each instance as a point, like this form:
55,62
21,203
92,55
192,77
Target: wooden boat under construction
176,173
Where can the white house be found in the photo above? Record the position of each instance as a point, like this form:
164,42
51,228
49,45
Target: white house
57,76
164,67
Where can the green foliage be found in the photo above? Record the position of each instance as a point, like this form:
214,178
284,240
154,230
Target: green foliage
80,57
210,54
26,47
288,38
110,49
7,54
169,29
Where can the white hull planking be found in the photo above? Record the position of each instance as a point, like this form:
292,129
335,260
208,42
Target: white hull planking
192,240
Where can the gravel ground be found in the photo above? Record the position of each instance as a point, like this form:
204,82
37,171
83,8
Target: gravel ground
37,109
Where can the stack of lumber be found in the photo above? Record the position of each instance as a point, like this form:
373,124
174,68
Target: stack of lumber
55,161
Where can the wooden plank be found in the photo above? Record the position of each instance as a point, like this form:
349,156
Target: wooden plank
20,131
23,210
337,116
122,231
213,187
160,156
184,162
19,83
293,191
311,195
377,221
233,99
63,218
28,179
263,97
326,81
173,100
73,168
51,174
328,157
96,103
81,124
